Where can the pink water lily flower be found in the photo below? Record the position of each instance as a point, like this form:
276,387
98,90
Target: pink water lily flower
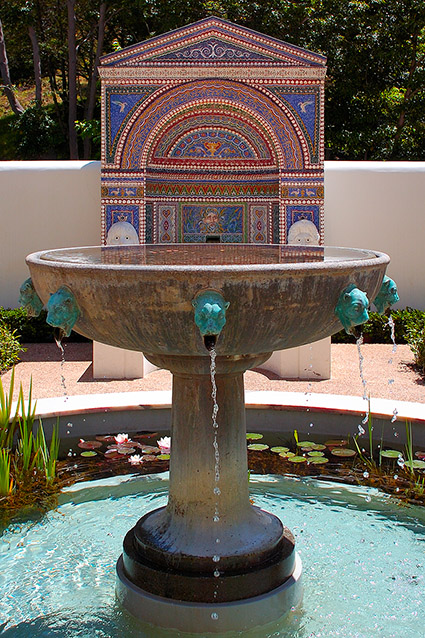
164,444
136,459
121,438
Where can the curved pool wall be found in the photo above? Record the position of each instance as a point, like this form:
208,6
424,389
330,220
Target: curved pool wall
273,412
363,554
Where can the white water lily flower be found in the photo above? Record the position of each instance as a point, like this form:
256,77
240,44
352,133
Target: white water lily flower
136,459
164,444
121,438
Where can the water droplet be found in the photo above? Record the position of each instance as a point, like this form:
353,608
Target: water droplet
311,425
361,429
366,474
217,540
396,434
216,519
214,615
397,489
216,558
395,412
390,381
70,453
217,491
395,477
69,425
368,499
68,432
400,461
216,573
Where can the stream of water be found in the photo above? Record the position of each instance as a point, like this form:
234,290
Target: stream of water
216,489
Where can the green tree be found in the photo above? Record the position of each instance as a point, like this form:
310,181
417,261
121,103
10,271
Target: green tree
375,90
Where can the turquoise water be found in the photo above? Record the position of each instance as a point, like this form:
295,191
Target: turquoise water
363,560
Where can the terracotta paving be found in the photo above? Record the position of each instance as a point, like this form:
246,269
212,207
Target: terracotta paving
389,375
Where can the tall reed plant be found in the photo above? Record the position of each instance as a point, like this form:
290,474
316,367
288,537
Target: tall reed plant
27,462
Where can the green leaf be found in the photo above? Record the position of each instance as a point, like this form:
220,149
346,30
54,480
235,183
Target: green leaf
252,436
297,459
318,460
390,454
258,447
344,452
286,455
415,464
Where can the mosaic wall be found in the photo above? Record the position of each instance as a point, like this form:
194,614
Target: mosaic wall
212,132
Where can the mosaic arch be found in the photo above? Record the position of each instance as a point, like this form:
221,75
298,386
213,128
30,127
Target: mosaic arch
212,132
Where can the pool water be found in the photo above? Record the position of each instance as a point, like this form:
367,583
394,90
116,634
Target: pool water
363,560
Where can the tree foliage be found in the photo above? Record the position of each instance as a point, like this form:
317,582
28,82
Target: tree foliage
375,92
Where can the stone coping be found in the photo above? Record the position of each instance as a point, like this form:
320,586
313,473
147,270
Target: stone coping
260,400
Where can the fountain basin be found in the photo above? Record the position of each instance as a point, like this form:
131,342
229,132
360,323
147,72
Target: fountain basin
355,543
127,295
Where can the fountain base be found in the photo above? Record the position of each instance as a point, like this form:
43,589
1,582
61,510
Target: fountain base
200,618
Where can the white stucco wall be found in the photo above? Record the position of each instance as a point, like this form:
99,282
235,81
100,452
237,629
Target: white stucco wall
378,205
381,205
44,205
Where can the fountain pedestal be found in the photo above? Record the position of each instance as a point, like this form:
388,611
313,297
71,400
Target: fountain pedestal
205,550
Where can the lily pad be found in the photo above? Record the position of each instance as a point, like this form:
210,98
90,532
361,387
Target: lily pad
163,457
257,447
279,448
297,459
336,443
121,449
107,438
286,455
89,453
390,454
89,445
308,444
343,451
415,464
112,455
149,449
315,446
149,457
318,460
252,436
316,453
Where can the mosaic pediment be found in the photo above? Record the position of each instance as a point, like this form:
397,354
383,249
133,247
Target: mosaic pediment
213,41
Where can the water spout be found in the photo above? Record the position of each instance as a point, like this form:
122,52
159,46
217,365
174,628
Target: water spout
351,308
62,310
210,341
29,299
387,295
210,315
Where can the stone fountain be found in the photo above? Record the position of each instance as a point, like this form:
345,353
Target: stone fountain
209,561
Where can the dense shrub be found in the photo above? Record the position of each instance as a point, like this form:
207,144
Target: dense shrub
9,348
378,330
31,329
416,340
